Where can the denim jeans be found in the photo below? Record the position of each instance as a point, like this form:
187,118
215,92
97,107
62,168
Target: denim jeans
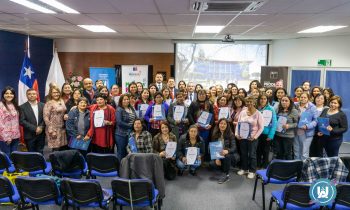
302,146
122,143
248,157
8,148
182,166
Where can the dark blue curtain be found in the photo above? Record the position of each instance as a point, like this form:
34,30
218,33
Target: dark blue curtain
299,76
339,82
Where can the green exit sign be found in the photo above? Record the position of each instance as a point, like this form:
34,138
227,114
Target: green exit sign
324,62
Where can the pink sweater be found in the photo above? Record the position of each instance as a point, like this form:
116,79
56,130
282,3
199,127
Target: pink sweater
9,123
256,122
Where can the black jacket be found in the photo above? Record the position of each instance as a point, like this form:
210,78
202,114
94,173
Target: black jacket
28,120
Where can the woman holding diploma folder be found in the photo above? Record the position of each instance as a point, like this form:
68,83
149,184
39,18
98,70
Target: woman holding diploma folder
222,132
190,150
221,109
177,115
287,120
199,108
270,125
140,140
126,115
156,113
338,124
250,126
102,121
306,126
164,144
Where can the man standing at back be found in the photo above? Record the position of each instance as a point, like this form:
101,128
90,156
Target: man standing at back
159,81
171,86
192,95
88,92
31,119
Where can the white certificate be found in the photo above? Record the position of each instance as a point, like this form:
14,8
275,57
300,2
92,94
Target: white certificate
191,156
224,113
203,118
281,121
267,114
99,117
157,112
179,112
244,130
170,149
187,102
142,109
116,100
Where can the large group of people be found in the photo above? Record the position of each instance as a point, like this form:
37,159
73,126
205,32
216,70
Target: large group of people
248,124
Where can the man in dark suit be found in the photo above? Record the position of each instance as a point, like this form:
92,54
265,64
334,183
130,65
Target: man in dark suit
159,81
88,91
191,93
171,86
31,119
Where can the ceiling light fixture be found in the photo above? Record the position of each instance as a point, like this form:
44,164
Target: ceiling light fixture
31,5
208,29
60,6
321,29
97,28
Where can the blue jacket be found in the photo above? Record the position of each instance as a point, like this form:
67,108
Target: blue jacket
311,108
149,113
271,128
123,121
72,122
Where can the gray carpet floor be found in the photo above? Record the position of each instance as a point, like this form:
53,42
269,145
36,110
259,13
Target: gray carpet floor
202,192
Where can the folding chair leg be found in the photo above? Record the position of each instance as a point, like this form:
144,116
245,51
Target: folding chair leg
114,206
263,194
37,207
256,182
121,207
271,202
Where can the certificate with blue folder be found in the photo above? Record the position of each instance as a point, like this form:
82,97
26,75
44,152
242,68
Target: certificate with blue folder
132,145
305,118
215,149
158,112
192,155
204,119
79,143
323,123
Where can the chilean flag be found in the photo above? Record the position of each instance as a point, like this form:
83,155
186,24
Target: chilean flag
27,80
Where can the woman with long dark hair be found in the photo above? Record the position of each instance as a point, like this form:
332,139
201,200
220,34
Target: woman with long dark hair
222,132
254,84
66,92
178,127
143,139
9,118
153,122
73,101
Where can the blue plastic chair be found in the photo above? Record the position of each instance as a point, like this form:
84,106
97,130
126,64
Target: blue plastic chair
85,193
278,172
8,192
103,165
77,166
32,162
295,196
5,164
38,191
135,193
342,200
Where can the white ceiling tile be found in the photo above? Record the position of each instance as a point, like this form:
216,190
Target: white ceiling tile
135,6
145,19
153,29
173,6
13,19
235,29
43,19
110,18
125,28
159,35
11,7
91,6
250,19
314,6
188,19
180,29
341,10
276,6
77,19
214,19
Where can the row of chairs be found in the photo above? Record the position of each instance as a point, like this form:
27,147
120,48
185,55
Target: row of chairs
78,193
288,172
103,165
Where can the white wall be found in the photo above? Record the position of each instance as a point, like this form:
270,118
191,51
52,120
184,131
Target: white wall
307,51
114,45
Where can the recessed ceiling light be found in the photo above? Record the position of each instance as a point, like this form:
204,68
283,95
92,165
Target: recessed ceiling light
31,5
60,6
208,29
321,29
97,28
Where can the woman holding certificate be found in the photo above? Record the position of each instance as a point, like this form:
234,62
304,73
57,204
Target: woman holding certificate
140,140
221,109
142,103
287,119
156,113
164,144
270,125
126,115
250,126
277,95
201,113
335,124
190,150
306,127
223,135
102,121
177,115
54,115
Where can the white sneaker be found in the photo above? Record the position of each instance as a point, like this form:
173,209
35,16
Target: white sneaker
241,172
251,175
